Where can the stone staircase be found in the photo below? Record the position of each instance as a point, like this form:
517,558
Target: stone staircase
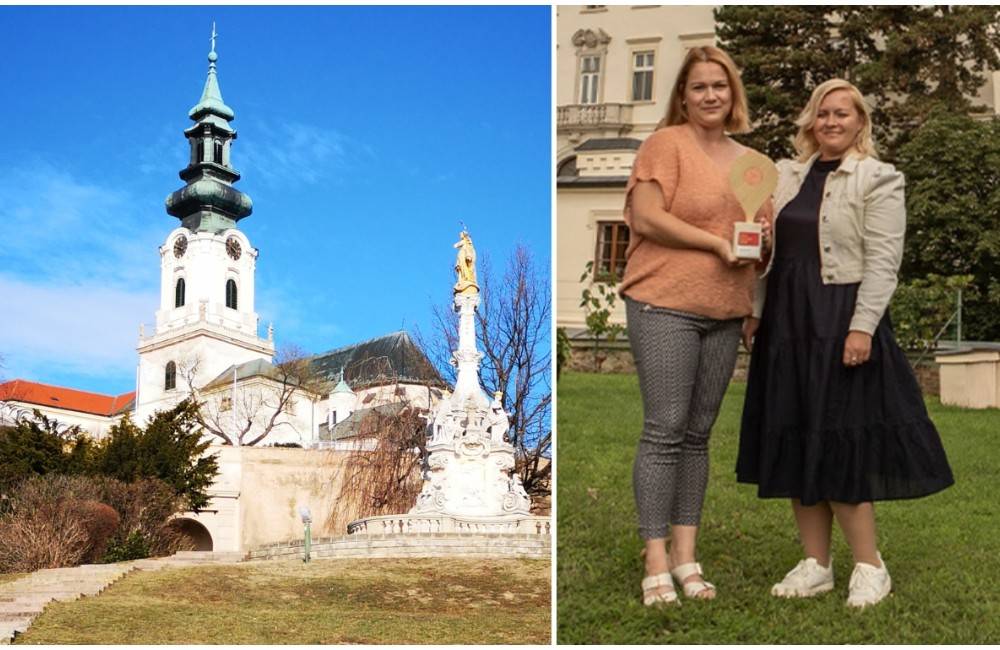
413,545
21,601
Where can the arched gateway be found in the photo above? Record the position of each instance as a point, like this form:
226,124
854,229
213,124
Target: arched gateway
196,532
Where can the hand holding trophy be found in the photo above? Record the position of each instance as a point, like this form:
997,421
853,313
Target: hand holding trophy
753,178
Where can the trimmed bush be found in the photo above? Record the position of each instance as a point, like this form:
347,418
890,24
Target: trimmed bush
54,521
101,522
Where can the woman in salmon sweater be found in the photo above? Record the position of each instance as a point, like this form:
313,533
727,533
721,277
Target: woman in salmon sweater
686,296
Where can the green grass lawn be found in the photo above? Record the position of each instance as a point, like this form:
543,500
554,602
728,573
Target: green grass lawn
326,601
943,551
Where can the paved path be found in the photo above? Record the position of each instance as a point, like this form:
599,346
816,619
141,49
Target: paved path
21,601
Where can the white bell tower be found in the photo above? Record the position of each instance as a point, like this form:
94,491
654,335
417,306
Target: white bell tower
206,321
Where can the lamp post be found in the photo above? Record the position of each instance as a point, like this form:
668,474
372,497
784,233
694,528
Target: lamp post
307,520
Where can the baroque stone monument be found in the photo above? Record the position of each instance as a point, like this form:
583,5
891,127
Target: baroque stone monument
469,479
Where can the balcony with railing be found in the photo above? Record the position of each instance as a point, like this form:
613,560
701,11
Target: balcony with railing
579,117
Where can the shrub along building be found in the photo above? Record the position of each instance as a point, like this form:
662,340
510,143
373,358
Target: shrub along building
205,343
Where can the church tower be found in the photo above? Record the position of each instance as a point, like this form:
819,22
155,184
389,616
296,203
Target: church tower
206,321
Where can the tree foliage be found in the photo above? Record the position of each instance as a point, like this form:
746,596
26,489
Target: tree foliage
952,168
38,446
907,59
170,448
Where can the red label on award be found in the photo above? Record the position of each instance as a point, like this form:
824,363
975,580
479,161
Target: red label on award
748,239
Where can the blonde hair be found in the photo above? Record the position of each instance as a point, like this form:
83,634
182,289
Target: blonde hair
805,140
738,120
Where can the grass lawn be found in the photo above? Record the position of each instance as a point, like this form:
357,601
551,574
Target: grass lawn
326,601
943,551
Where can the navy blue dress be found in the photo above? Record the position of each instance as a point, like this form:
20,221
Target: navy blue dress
812,427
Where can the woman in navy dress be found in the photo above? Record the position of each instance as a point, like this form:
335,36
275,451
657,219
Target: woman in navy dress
834,419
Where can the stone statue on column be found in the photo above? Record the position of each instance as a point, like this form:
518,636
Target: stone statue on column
470,464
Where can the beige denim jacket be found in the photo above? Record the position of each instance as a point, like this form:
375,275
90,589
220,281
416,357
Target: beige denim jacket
861,226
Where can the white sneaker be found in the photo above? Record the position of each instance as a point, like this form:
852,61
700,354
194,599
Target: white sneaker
808,578
869,584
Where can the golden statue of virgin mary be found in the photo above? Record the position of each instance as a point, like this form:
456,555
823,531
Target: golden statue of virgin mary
465,265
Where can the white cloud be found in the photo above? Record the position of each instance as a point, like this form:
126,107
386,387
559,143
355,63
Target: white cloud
60,228
88,329
78,273
292,154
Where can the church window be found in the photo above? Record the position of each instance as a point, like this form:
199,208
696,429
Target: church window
201,151
231,294
218,152
170,380
179,293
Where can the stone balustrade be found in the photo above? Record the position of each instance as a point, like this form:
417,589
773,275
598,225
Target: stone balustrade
413,545
593,115
437,523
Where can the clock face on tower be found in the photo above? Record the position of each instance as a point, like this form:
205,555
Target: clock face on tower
180,246
233,248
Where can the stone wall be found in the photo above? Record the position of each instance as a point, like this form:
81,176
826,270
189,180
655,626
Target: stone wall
617,359
413,545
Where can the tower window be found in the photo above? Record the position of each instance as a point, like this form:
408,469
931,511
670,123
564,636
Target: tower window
170,378
200,149
179,293
218,152
231,294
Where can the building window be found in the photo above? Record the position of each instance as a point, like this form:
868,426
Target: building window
612,242
642,76
200,150
225,403
590,78
179,293
170,376
231,294
218,152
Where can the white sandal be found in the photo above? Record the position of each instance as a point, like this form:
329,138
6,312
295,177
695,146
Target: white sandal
695,587
650,594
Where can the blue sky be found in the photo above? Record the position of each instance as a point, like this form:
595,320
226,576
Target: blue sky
365,136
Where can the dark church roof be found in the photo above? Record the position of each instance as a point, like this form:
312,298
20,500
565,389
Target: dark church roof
381,360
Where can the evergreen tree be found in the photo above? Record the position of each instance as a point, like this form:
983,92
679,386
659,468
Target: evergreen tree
908,60
37,446
170,448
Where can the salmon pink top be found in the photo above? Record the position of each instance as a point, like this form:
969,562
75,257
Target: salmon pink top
697,191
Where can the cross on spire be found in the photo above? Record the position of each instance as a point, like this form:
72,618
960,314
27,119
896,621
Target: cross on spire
213,36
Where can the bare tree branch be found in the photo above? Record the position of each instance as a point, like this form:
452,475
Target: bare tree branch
259,403
384,477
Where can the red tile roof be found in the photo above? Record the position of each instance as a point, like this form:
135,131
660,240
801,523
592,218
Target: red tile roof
70,399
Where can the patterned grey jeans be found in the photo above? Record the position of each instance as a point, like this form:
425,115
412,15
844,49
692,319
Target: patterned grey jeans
684,363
